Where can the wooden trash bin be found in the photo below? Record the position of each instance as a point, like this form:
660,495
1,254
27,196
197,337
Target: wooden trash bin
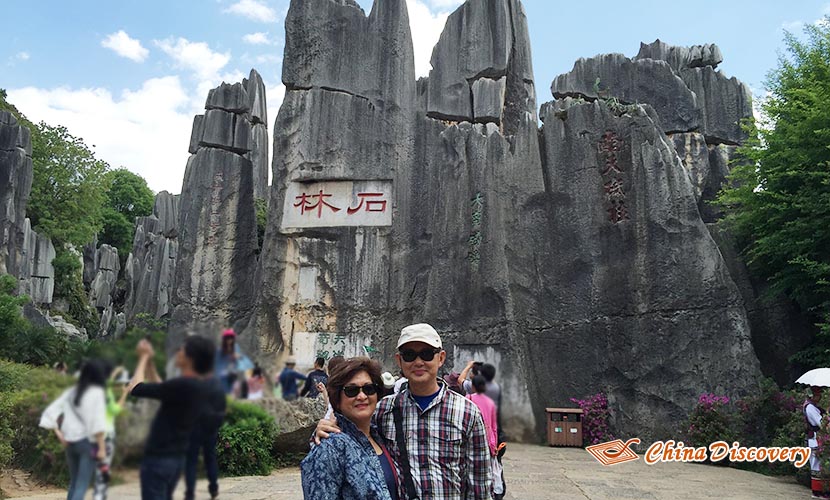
564,426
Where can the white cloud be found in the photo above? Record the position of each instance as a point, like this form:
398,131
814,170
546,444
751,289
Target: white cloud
121,43
253,9
257,39
426,29
146,130
22,56
196,57
445,4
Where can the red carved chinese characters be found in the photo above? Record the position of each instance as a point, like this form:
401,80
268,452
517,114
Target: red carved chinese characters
315,203
371,205
304,201
609,146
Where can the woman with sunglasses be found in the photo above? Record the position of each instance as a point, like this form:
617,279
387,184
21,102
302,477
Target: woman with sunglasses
351,465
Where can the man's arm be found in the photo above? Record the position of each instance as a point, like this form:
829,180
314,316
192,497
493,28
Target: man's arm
145,355
152,373
465,372
478,476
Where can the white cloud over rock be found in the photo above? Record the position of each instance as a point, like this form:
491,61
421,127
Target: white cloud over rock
196,57
257,39
122,44
146,130
254,10
426,28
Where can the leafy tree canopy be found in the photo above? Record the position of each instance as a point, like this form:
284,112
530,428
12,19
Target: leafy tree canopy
778,203
69,187
128,197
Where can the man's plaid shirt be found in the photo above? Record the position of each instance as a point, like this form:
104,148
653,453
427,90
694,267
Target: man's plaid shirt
447,446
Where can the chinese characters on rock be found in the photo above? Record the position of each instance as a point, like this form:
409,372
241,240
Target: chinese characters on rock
609,147
336,341
368,202
474,241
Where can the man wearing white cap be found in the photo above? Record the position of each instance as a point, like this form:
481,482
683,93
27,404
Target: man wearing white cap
436,437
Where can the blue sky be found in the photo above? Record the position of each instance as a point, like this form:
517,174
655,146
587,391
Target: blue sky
128,76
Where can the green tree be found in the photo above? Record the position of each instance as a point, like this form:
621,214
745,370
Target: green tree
128,197
778,204
68,189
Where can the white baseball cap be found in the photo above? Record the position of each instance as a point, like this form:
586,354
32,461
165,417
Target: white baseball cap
421,332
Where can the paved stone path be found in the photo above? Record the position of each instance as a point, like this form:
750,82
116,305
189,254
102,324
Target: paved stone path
542,473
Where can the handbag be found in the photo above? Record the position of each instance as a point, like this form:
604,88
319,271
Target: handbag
406,470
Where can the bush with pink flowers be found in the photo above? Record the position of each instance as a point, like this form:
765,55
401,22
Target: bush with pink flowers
595,426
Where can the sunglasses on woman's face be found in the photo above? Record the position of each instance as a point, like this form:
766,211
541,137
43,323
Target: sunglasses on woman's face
409,355
351,391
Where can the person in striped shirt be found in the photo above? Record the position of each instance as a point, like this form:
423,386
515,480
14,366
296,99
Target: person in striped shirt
444,434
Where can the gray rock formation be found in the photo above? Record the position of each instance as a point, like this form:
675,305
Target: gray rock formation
449,254
649,296
15,186
35,272
577,263
103,286
638,81
259,133
45,319
296,421
679,58
778,328
475,44
150,267
213,285
694,155
106,275
725,103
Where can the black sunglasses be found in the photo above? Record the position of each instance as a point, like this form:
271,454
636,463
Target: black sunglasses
409,355
352,391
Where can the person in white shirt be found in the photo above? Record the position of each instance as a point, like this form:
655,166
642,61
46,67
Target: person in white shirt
82,431
813,416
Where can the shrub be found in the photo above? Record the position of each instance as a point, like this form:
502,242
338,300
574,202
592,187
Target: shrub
711,420
69,284
595,415
25,391
759,420
792,434
246,441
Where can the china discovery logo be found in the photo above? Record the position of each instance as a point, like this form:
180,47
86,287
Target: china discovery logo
614,452
617,452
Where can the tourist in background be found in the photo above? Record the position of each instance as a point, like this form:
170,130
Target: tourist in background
315,379
230,364
82,432
204,438
493,391
388,384
351,465
183,401
813,416
256,384
288,380
488,414
114,408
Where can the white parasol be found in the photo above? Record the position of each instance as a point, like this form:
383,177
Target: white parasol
818,377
